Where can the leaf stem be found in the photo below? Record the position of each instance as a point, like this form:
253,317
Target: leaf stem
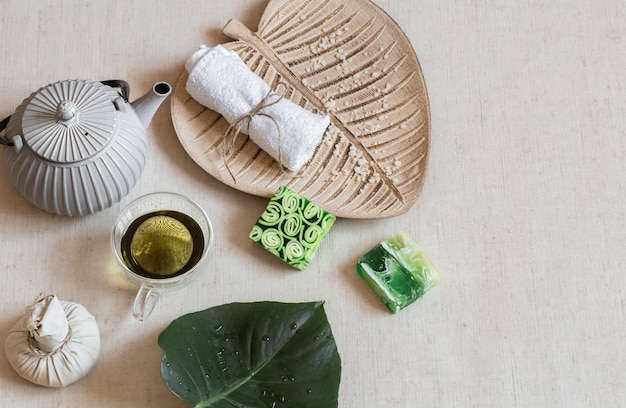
208,402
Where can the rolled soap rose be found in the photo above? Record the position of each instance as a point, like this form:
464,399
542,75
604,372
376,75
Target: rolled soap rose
292,227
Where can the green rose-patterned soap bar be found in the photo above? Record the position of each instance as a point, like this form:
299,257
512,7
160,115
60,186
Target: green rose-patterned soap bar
292,227
398,271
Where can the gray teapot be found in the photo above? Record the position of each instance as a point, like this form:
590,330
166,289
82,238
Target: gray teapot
78,146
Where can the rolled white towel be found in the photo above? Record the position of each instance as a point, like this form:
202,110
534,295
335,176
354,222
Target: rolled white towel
221,81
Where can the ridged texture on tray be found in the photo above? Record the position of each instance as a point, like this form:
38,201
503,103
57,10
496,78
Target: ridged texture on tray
347,59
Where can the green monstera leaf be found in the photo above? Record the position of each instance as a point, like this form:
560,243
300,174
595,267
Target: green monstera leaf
264,354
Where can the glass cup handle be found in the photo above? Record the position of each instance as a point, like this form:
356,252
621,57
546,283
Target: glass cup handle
145,301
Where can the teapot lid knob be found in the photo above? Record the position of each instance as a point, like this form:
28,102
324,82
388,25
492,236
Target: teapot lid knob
67,112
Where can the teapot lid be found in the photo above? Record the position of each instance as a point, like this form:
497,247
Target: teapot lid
70,121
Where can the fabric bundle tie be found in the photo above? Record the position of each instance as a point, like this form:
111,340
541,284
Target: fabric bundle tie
235,128
221,81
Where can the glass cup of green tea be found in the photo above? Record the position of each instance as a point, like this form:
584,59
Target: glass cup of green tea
160,241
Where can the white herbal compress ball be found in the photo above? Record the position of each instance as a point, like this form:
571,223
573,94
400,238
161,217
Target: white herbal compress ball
55,344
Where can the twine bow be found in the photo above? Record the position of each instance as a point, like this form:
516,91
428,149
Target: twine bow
243,122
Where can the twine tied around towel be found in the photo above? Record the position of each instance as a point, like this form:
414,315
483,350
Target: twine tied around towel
243,122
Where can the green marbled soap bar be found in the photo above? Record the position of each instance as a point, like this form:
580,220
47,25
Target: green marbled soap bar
398,271
292,227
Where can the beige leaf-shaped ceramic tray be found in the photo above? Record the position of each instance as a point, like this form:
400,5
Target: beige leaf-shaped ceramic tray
350,60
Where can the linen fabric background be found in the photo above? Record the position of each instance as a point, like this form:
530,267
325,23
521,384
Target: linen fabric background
522,210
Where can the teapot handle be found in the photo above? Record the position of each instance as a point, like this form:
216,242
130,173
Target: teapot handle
118,83
3,125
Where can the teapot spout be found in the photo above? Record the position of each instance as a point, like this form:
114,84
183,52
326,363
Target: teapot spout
146,106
